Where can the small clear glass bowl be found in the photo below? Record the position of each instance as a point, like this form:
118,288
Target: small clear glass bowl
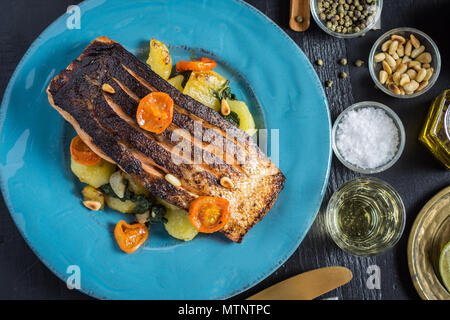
397,122
374,224
430,46
315,14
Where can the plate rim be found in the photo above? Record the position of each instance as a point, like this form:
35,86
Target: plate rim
5,193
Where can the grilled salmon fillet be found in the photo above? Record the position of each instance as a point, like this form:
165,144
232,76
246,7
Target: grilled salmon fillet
199,147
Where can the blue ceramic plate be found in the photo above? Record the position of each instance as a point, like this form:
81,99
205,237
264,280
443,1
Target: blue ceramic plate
266,69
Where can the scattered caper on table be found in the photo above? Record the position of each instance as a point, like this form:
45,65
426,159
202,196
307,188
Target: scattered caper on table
343,61
346,16
328,83
359,63
319,62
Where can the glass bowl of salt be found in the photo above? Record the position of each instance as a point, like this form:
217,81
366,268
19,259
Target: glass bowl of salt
368,137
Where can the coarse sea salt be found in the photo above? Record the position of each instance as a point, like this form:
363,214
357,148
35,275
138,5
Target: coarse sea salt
367,138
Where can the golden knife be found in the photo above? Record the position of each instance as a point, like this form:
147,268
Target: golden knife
307,285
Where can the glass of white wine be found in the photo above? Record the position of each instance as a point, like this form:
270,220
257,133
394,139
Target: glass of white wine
365,216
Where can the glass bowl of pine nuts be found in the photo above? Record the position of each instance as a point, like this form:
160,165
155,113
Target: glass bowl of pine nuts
404,63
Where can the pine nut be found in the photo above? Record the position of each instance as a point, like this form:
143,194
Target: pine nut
411,86
385,46
379,57
393,47
414,41
413,64
408,48
429,74
401,51
422,85
424,57
426,66
225,107
92,205
396,78
404,79
402,68
107,88
412,74
421,75
416,52
172,180
226,183
406,59
383,76
394,88
386,67
398,38
390,61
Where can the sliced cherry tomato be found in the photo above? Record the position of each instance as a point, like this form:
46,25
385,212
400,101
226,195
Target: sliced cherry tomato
202,64
130,237
81,152
209,214
155,112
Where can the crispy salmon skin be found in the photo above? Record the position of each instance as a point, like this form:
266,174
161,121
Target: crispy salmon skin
199,147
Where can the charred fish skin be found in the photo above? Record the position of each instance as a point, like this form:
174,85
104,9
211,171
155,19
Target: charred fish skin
106,122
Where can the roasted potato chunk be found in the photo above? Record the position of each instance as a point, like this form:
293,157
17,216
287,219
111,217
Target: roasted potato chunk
176,82
202,85
92,194
95,175
178,224
126,206
135,186
246,121
159,59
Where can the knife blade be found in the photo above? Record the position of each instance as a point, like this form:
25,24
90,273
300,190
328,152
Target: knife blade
307,285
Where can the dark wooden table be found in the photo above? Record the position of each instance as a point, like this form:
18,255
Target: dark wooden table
417,176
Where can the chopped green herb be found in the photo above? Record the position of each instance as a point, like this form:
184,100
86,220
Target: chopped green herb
224,92
142,202
157,214
233,118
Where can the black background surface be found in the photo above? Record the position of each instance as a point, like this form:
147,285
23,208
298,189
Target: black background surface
416,176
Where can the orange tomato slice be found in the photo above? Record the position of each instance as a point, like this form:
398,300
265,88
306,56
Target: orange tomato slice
155,112
130,237
202,64
81,152
209,214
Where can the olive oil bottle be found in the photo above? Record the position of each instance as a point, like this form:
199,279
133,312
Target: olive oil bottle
435,134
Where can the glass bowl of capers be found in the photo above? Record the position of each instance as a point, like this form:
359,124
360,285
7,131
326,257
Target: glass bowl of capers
346,18
404,63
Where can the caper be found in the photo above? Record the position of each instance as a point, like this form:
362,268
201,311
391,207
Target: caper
346,16
343,61
319,62
343,75
328,83
299,19
359,63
